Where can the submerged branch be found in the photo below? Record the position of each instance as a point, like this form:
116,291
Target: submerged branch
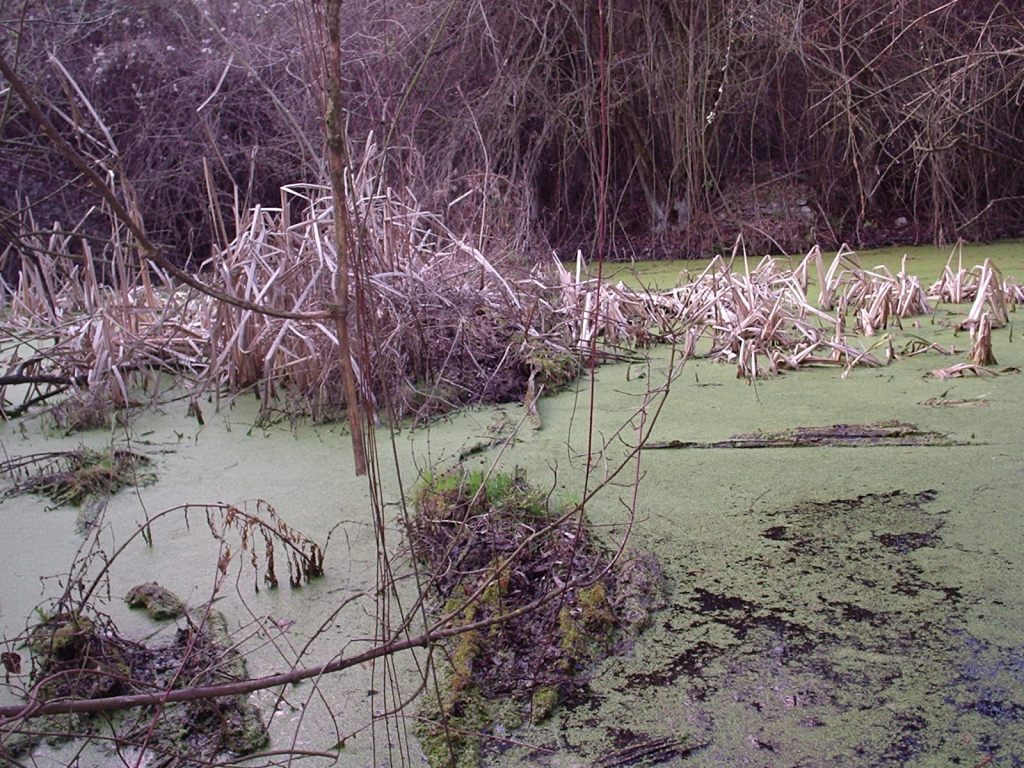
16,379
842,435
438,632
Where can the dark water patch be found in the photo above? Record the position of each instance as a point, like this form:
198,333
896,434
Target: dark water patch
687,663
852,612
835,644
990,681
712,603
907,740
903,543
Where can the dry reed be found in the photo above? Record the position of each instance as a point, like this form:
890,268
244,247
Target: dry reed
448,326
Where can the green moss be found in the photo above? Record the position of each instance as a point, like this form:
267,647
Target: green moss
586,626
53,730
244,731
593,602
552,368
467,648
500,491
459,745
160,603
60,637
232,663
543,703
639,590
468,524
497,579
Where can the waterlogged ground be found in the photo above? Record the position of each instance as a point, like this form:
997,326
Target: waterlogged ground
827,606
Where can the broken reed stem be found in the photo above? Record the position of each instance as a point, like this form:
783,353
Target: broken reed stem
981,352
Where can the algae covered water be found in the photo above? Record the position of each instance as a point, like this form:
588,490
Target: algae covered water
831,605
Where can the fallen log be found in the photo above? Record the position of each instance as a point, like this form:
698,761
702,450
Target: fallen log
886,433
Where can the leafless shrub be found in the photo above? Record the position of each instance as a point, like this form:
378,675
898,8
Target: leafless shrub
182,103
785,122
856,107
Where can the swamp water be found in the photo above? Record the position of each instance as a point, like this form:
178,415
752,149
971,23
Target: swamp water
827,606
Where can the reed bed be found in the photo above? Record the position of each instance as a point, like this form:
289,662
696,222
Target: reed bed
94,322
761,318
441,324
983,285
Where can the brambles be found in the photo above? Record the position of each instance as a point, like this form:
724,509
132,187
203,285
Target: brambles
186,105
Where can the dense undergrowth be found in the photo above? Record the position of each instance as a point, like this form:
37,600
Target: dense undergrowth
789,122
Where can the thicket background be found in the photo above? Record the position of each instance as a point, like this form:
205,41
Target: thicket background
791,121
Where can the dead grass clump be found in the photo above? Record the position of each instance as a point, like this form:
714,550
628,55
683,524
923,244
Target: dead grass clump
85,657
440,324
81,411
493,547
446,326
761,318
876,297
73,477
961,370
96,325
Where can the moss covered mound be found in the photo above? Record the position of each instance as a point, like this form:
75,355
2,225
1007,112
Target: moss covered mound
159,602
540,599
75,477
76,656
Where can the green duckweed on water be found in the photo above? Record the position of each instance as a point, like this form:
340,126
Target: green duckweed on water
925,261
826,605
